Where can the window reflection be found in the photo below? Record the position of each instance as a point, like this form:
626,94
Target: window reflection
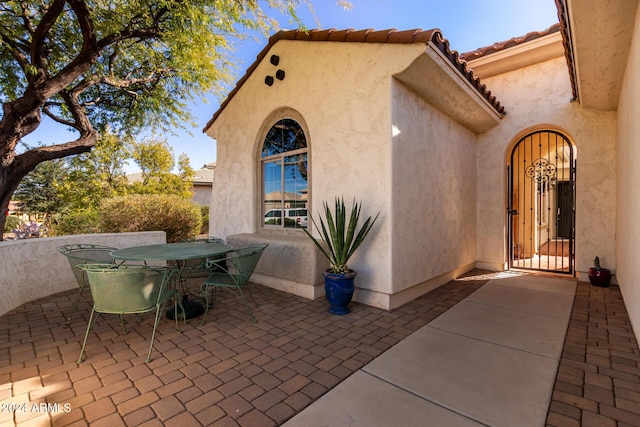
285,135
284,176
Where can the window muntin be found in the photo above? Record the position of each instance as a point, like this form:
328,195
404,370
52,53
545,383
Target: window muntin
285,185
284,136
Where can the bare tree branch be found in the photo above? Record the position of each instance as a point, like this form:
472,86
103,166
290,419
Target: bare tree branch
57,118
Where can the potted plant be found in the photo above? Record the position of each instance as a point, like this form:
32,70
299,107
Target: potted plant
599,276
339,241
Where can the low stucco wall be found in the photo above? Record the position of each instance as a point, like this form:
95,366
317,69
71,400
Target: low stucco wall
302,273
33,268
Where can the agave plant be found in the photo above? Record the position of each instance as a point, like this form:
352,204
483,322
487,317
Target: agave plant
340,237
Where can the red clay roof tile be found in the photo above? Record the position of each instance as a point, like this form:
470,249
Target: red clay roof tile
499,46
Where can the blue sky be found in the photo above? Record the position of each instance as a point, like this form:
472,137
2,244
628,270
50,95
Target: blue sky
467,24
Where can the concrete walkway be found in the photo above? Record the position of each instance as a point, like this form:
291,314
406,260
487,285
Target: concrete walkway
491,359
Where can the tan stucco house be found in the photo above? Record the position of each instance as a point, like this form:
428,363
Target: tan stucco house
524,154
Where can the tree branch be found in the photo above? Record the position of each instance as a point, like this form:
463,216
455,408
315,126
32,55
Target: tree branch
26,20
31,158
82,62
17,54
50,17
57,118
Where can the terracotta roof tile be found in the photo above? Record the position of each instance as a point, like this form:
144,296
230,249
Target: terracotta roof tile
378,36
320,34
500,46
356,35
411,36
338,35
367,36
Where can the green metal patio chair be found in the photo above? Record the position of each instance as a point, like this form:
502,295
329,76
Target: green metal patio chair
193,268
127,290
232,272
81,253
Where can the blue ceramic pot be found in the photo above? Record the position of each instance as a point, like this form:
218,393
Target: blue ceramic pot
338,289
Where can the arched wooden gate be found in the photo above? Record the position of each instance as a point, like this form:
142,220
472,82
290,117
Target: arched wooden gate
541,203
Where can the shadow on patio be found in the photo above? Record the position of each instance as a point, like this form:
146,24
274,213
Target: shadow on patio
231,371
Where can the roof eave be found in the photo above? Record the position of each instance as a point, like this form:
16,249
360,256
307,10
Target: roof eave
597,42
447,86
523,55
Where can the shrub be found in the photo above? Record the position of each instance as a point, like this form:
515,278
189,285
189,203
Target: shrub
178,217
204,210
11,223
78,222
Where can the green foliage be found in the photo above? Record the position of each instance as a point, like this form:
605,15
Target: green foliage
204,211
178,217
11,223
154,157
77,185
151,58
340,238
39,192
185,170
84,221
93,176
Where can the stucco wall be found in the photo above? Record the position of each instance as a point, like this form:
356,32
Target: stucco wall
433,193
33,268
628,193
343,96
538,97
201,194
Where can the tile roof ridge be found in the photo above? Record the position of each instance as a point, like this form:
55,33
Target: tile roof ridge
461,65
366,35
515,41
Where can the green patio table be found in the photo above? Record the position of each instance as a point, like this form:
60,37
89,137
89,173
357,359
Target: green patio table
177,252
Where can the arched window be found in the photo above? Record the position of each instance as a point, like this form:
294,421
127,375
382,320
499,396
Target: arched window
285,185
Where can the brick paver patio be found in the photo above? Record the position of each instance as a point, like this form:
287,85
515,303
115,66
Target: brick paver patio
598,381
231,371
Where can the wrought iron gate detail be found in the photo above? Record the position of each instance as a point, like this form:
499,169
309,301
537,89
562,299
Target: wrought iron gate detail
541,203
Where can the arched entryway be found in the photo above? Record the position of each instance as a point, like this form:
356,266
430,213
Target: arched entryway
541,203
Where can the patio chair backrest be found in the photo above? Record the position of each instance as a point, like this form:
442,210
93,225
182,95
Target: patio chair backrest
81,253
120,289
127,289
198,264
243,261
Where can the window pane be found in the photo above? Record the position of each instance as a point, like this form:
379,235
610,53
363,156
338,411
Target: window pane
272,173
296,189
285,135
285,186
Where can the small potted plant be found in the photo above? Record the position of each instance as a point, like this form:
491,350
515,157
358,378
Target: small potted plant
599,276
339,241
